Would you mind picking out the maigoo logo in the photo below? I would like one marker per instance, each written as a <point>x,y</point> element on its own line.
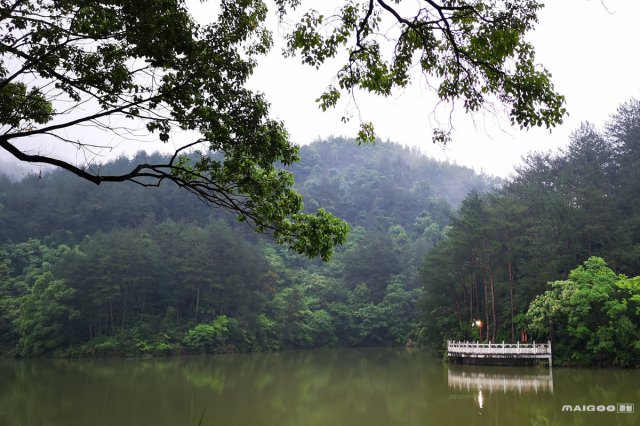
<point>589,408</point>
<point>626,408</point>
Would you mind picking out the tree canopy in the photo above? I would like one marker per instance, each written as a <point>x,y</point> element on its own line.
<point>507,254</point>
<point>147,70</point>
<point>121,270</point>
<point>591,316</point>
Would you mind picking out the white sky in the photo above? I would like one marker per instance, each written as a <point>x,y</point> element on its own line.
<point>591,47</point>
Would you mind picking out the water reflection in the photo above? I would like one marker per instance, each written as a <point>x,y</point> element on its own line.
<point>503,380</point>
<point>338,387</point>
<point>480,399</point>
<point>368,387</point>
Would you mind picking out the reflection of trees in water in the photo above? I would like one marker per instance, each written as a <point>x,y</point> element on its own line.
<point>318,387</point>
<point>97,392</point>
<point>339,387</point>
<point>296,387</point>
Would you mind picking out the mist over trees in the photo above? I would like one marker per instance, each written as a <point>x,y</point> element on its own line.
<point>95,74</point>
<point>121,269</point>
<point>13,170</point>
<point>554,252</point>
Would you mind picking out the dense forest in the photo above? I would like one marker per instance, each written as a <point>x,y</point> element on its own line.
<point>553,252</point>
<point>538,255</point>
<point>120,269</point>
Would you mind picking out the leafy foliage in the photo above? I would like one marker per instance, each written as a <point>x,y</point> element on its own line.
<point>35,303</point>
<point>470,51</point>
<point>146,70</point>
<point>139,273</point>
<point>208,338</point>
<point>557,212</point>
<point>590,316</point>
<point>128,68</point>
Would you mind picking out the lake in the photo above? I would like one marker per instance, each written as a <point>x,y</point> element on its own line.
<point>322,387</point>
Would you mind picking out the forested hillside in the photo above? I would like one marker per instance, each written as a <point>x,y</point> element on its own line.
<point>120,269</point>
<point>528,241</point>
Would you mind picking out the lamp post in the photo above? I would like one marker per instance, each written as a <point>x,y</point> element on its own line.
<point>478,323</point>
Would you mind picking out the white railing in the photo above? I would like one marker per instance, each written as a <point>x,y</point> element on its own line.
<point>475,348</point>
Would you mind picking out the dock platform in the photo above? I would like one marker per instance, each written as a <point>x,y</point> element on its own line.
<point>498,353</point>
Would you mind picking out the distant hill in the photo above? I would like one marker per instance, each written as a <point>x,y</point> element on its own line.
<point>90,270</point>
<point>370,186</point>
<point>386,180</point>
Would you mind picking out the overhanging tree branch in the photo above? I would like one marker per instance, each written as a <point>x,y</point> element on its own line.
<point>150,63</point>
<point>475,51</point>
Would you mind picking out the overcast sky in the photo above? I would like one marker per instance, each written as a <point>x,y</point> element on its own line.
<point>591,48</point>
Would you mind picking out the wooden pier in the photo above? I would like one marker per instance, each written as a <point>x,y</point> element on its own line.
<point>498,353</point>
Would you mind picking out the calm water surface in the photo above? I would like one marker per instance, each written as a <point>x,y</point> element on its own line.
<point>328,387</point>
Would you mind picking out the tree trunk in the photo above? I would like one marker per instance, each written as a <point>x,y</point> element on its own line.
<point>458,310</point>
<point>471,301</point>
<point>197,302</point>
<point>493,305</point>
<point>111,314</point>
<point>478,302</point>
<point>464,296</point>
<point>513,329</point>
<point>486,303</point>
<point>142,304</point>
<point>124,308</point>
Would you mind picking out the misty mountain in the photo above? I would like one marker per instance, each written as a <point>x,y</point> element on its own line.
<point>371,186</point>
<point>119,269</point>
